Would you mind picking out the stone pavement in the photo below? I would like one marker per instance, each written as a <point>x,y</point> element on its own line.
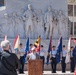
<point>49,73</point>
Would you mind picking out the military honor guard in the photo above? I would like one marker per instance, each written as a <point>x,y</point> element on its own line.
<point>63,57</point>
<point>72,65</point>
<point>42,55</point>
<point>22,52</point>
<point>53,59</point>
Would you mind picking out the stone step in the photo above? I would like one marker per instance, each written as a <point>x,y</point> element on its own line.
<point>48,67</point>
<point>49,73</point>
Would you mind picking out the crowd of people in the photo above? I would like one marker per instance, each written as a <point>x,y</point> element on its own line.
<point>10,64</point>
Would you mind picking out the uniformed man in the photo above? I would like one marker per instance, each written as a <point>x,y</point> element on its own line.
<point>53,59</point>
<point>33,55</point>
<point>22,52</point>
<point>42,55</point>
<point>72,65</point>
<point>63,57</point>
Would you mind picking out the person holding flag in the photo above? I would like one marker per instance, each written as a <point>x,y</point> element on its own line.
<point>53,59</point>
<point>36,48</point>
<point>72,65</point>
<point>63,57</point>
<point>22,53</point>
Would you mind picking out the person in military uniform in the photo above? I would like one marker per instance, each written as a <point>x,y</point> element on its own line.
<point>63,57</point>
<point>53,59</point>
<point>22,58</point>
<point>72,65</point>
<point>42,55</point>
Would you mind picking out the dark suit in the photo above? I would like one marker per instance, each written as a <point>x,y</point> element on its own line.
<point>8,63</point>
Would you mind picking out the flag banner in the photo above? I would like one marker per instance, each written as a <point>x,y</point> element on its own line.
<point>67,60</point>
<point>59,49</point>
<point>74,54</point>
<point>26,49</point>
<point>16,45</point>
<point>37,44</point>
<point>27,46</point>
<point>49,49</point>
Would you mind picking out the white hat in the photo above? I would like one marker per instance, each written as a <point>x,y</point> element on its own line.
<point>33,48</point>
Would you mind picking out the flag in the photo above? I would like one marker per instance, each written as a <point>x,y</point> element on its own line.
<point>16,45</point>
<point>74,54</point>
<point>5,37</point>
<point>27,46</point>
<point>59,49</point>
<point>68,53</point>
<point>50,44</point>
<point>26,49</point>
<point>37,44</point>
<point>49,49</point>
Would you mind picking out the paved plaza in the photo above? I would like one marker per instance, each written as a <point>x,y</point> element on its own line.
<point>49,73</point>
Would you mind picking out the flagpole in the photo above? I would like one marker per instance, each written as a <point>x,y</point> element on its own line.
<point>40,44</point>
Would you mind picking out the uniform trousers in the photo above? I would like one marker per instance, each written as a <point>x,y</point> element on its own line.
<point>63,64</point>
<point>43,61</point>
<point>72,64</point>
<point>53,64</point>
<point>21,70</point>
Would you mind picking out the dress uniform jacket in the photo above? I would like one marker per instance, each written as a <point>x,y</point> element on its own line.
<point>8,63</point>
<point>53,60</point>
<point>22,60</point>
<point>63,64</point>
<point>42,57</point>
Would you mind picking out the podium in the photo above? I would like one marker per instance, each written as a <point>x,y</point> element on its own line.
<point>35,67</point>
